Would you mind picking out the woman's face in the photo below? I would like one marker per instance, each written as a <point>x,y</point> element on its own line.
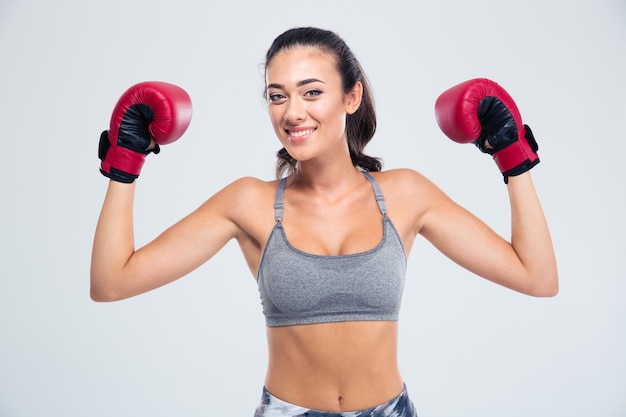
<point>306,102</point>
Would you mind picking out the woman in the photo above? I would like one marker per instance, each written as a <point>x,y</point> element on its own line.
<point>328,240</point>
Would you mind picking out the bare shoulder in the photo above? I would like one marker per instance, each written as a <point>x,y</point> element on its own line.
<point>246,187</point>
<point>409,197</point>
<point>243,196</point>
<point>405,183</point>
<point>248,203</point>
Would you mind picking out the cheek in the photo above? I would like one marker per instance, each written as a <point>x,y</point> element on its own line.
<point>275,117</point>
<point>329,114</point>
<point>336,118</point>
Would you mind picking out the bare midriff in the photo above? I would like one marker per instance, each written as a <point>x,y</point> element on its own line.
<point>345,366</point>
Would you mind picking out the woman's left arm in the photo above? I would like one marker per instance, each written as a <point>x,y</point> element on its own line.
<point>526,264</point>
<point>530,237</point>
<point>482,112</point>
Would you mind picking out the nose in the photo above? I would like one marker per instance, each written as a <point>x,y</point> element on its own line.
<point>295,111</point>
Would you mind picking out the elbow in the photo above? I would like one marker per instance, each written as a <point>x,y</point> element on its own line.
<point>548,287</point>
<point>554,290</point>
<point>102,293</point>
<point>548,292</point>
<point>100,296</point>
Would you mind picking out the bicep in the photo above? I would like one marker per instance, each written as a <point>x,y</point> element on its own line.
<point>180,249</point>
<point>471,243</point>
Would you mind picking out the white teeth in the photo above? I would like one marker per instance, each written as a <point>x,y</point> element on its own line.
<point>300,133</point>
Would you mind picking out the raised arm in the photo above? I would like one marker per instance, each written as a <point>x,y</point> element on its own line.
<point>120,271</point>
<point>146,116</point>
<point>481,112</point>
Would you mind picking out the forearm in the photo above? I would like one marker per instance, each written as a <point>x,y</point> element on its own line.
<point>114,242</point>
<point>530,236</point>
<point>147,115</point>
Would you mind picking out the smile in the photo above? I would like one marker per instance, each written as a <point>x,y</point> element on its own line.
<point>299,134</point>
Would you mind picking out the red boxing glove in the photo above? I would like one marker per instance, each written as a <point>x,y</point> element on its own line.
<point>146,112</point>
<point>482,112</point>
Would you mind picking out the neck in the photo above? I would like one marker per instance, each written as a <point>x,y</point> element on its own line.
<point>335,175</point>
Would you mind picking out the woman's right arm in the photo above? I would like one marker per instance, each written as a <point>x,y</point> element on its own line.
<point>120,271</point>
<point>146,115</point>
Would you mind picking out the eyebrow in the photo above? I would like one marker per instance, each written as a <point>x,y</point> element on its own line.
<point>300,83</point>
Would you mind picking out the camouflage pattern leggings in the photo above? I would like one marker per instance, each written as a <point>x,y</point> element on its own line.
<point>270,406</point>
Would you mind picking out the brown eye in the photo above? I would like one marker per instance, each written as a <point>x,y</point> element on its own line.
<point>313,93</point>
<point>275,97</point>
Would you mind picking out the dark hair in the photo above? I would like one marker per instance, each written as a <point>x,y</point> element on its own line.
<point>361,125</point>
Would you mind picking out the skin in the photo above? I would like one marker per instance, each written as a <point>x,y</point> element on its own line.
<point>329,210</point>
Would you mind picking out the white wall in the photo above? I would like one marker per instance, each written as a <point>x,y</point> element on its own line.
<point>197,346</point>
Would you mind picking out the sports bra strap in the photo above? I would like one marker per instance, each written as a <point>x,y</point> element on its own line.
<point>278,201</point>
<point>379,195</point>
<point>280,191</point>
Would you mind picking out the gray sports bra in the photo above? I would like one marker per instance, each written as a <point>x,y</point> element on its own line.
<point>302,288</point>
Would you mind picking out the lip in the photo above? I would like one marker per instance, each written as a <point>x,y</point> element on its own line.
<point>299,137</point>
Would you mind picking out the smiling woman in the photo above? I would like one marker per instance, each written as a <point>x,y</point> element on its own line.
<point>323,50</point>
<point>307,104</point>
<point>328,239</point>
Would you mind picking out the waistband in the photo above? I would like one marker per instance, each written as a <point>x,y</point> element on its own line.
<point>400,406</point>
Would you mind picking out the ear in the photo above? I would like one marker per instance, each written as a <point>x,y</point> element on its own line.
<point>353,98</point>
